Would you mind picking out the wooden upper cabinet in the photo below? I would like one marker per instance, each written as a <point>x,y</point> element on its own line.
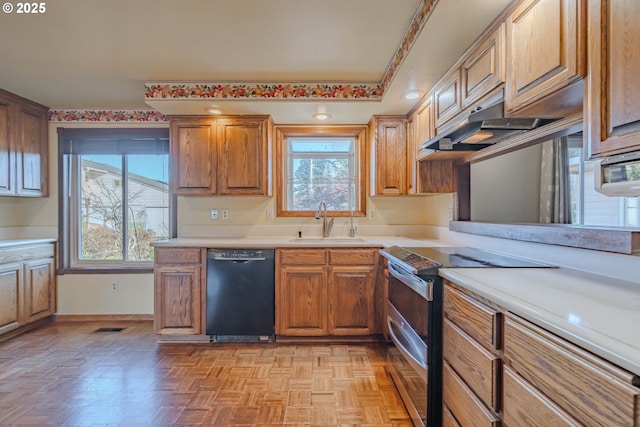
<point>484,68</point>
<point>447,97</point>
<point>226,155</point>
<point>243,156</point>
<point>420,129</point>
<point>24,147</point>
<point>544,49</point>
<point>613,88</point>
<point>388,137</point>
<point>193,156</point>
<point>7,162</point>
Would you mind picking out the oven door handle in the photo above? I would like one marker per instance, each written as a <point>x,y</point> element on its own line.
<point>424,288</point>
<point>419,367</point>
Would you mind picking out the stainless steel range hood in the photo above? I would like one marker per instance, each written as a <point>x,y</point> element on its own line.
<point>480,128</point>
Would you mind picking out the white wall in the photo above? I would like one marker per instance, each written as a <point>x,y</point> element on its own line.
<point>507,188</point>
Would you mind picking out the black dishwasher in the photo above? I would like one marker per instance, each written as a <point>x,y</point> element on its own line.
<point>240,295</point>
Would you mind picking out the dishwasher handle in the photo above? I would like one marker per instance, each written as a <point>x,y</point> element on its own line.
<point>222,258</point>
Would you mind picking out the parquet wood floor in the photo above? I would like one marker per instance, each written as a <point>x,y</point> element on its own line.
<point>65,374</point>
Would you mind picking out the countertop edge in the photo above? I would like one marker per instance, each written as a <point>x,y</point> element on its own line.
<point>25,242</point>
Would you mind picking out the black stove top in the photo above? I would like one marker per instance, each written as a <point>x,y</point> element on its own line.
<point>427,260</point>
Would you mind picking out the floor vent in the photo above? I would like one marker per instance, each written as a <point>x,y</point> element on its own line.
<point>109,330</point>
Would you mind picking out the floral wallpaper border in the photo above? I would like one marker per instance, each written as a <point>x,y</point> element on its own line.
<point>120,116</point>
<point>300,91</point>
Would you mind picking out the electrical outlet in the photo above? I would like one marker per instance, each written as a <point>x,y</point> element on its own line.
<point>225,213</point>
<point>114,287</point>
<point>372,214</point>
<point>450,214</point>
<point>214,214</point>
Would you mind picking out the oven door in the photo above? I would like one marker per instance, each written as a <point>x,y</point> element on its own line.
<point>408,316</point>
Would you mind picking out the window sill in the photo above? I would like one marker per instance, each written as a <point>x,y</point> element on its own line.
<point>105,270</point>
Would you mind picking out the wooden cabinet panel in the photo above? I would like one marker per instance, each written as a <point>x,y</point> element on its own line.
<point>353,256</point>
<point>420,129</point>
<point>463,403</point>
<point>7,162</point>
<point>448,420</point>
<point>178,300</point>
<point>351,300</point>
<point>224,155</point>
<point>388,136</point>
<point>483,69</point>
<point>478,367</point>
<point>32,156</point>
<point>179,256</point>
<point>558,369</point>
<point>193,157</point>
<point>479,321</point>
<point>447,100</point>
<point>298,257</point>
<point>24,147</point>
<point>613,87</point>
<point>437,176</point>
<point>242,165</point>
<point>11,297</point>
<point>301,301</point>
<point>40,292</point>
<point>525,406</point>
<point>544,49</point>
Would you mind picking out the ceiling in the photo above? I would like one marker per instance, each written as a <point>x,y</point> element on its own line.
<point>98,55</point>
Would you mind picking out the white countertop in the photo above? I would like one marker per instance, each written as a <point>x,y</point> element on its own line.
<point>598,313</point>
<point>290,242</point>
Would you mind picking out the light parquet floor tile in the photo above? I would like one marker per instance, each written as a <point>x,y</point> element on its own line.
<point>64,374</point>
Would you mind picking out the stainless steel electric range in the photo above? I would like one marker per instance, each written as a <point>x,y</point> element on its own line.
<point>414,319</point>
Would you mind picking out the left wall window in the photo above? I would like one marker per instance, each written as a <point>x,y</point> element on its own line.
<point>115,197</point>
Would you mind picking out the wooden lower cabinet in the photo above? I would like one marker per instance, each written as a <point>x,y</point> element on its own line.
<point>27,285</point>
<point>325,292</point>
<point>499,367</point>
<point>301,301</point>
<point>180,292</point>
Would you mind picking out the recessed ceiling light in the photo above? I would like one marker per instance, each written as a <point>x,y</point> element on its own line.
<point>321,113</point>
<point>213,110</point>
<point>413,94</point>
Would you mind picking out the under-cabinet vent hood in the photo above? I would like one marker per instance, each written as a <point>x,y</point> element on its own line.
<point>480,128</point>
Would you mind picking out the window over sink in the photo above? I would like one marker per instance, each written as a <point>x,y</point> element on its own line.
<point>320,164</point>
<point>114,197</point>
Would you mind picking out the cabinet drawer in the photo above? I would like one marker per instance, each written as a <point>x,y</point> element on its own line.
<point>302,257</point>
<point>476,319</point>
<point>524,406</point>
<point>26,252</point>
<point>478,367</point>
<point>178,255</point>
<point>448,420</point>
<point>590,389</point>
<point>463,404</point>
<point>352,256</point>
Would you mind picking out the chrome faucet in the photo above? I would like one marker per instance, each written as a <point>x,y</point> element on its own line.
<point>326,226</point>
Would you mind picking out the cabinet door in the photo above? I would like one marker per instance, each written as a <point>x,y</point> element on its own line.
<point>351,300</point>
<point>437,176</point>
<point>40,290</point>
<point>447,100</point>
<point>243,155</point>
<point>301,301</point>
<point>11,297</point>
<point>422,129</point>
<point>32,152</point>
<point>544,49</point>
<point>7,162</point>
<point>483,70</point>
<point>178,300</point>
<point>389,156</point>
<point>613,87</point>
<point>193,157</point>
